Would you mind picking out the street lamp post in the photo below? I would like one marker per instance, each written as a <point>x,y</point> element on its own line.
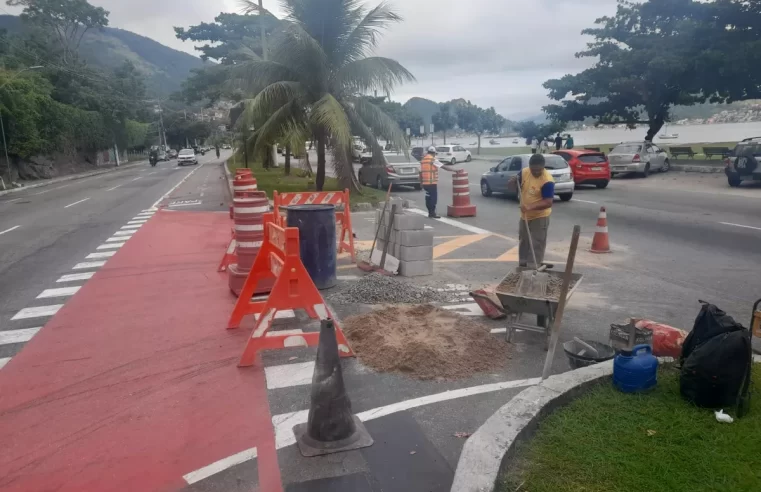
<point>2,125</point>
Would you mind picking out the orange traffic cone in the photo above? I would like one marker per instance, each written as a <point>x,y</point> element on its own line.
<point>600,243</point>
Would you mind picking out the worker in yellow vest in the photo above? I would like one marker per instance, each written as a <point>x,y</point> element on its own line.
<point>429,178</point>
<point>537,190</point>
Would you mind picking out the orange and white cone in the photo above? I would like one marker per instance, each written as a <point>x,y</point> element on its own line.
<point>600,242</point>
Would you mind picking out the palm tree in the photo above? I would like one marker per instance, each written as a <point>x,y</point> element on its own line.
<point>314,82</point>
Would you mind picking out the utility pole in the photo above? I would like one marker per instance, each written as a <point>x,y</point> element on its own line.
<point>264,36</point>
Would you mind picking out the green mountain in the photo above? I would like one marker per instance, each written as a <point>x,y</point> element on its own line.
<point>164,68</point>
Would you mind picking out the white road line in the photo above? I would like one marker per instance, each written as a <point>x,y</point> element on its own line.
<point>133,226</point>
<point>584,201</point>
<point>115,239</point>
<point>59,292</point>
<point>454,223</point>
<point>75,203</point>
<point>53,189</point>
<point>17,336</point>
<point>221,465</point>
<point>102,254</point>
<point>110,246</point>
<point>88,264</point>
<point>9,230</point>
<point>735,225</point>
<point>37,311</point>
<point>11,201</point>
<point>124,233</point>
<point>149,174</point>
<point>284,423</point>
<point>76,277</point>
<point>152,209</point>
<point>288,375</point>
<point>4,361</point>
<point>284,314</point>
<point>136,178</point>
<point>115,187</point>
<point>162,197</point>
<point>137,221</point>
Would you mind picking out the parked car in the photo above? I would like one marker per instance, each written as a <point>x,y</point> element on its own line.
<point>186,156</point>
<point>396,170</point>
<point>226,146</point>
<point>452,154</point>
<point>588,166</point>
<point>495,181</point>
<point>742,163</point>
<point>418,153</point>
<point>356,151</point>
<point>638,157</point>
<point>162,156</point>
<point>172,154</point>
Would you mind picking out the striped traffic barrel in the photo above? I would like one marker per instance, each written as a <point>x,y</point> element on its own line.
<point>461,206</point>
<point>244,186</point>
<point>248,219</point>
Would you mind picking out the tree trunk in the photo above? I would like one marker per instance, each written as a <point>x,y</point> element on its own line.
<point>654,127</point>
<point>445,137</point>
<point>320,179</point>
<point>307,166</point>
<point>478,152</point>
<point>287,169</point>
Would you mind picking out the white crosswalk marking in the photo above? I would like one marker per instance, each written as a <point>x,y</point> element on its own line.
<point>37,311</point>
<point>74,277</point>
<point>59,292</point>
<point>17,336</point>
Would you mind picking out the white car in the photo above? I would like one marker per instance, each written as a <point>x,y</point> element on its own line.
<point>452,154</point>
<point>186,156</point>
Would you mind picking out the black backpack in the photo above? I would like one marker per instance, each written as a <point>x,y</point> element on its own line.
<point>716,362</point>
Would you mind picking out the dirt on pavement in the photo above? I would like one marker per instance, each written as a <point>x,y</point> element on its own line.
<point>424,342</point>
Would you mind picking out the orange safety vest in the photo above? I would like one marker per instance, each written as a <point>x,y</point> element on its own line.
<point>429,173</point>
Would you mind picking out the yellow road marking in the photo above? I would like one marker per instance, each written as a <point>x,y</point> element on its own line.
<point>509,255</point>
<point>457,243</point>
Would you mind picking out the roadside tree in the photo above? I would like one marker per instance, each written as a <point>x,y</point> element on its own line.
<point>444,120</point>
<point>474,119</point>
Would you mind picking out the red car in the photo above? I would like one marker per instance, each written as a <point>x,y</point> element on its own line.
<point>588,166</point>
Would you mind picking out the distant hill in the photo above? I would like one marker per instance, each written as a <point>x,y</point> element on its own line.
<point>165,68</point>
<point>423,107</point>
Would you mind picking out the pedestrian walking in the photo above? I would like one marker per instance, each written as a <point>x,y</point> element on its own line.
<point>429,178</point>
<point>569,142</point>
<point>558,142</point>
<point>534,145</point>
<point>546,145</point>
<point>537,190</point>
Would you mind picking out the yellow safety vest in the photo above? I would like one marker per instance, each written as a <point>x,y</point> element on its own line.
<point>531,192</point>
<point>429,173</point>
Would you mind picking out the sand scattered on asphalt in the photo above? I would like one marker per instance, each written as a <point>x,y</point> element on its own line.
<point>509,285</point>
<point>424,342</point>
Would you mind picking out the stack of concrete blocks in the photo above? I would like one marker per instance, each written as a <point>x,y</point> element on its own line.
<point>409,242</point>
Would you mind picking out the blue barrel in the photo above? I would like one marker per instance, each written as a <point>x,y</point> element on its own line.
<point>635,371</point>
<point>317,241</point>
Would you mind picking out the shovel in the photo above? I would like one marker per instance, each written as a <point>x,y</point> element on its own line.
<point>532,283</point>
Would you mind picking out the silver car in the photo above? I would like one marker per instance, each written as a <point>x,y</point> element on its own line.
<point>638,157</point>
<point>186,156</point>
<point>396,170</point>
<point>495,181</point>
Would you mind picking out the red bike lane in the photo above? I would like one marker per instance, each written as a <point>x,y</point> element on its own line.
<point>134,384</point>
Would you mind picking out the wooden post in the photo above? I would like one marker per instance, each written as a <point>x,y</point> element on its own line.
<point>561,304</point>
<point>388,236</point>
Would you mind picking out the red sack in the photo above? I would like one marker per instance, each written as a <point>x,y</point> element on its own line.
<point>667,340</point>
<point>489,304</point>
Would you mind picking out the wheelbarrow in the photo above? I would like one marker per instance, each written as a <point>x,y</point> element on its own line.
<point>516,306</point>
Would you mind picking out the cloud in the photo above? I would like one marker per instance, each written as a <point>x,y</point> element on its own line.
<point>493,52</point>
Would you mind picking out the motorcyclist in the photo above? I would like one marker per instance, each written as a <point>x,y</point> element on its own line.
<point>217,148</point>
<point>153,156</point>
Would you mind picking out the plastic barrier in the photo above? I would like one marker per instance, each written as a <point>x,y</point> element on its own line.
<point>343,217</point>
<point>461,206</point>
<point>600,241</point>
<point>279,259</point>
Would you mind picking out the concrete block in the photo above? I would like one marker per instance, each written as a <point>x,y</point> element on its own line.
<point>415,253</point>
<point>415,238</point>
<point>399,202</point>
<point>394,249</point>
<point>408,222</point>
<point>415,268</point>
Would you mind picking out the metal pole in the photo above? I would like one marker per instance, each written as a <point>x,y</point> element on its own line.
<point>264,36</point>
<point>5,147</point>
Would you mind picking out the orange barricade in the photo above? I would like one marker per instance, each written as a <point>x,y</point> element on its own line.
<point>279,260</point>
<point>343,217</point>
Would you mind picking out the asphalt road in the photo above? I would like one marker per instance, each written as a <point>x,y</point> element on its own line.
<point>676,238</point>
<point>46,231</point>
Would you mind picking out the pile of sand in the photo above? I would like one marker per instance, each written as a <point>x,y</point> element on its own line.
<point>424,342</point>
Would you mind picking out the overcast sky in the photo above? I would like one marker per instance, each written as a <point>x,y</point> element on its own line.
<point>493,52</point>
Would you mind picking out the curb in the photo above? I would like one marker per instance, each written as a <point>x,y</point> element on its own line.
<point>708,168</point>
<point>229,178</point>
<point>71,177</point>
<point>493,445</point>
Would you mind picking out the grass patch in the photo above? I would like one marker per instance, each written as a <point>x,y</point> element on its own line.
<point>600,442</point>
<point>697,148</point>
<point>269,180</point>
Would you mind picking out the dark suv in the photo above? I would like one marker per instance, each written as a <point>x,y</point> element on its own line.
<point>743,163</point>
<point>418,153</point>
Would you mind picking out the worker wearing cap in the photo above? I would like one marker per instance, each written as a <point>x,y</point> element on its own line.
<point>429,178</point>
<point>537,190</point>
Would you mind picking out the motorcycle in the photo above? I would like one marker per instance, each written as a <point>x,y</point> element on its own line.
<point>153,160</point>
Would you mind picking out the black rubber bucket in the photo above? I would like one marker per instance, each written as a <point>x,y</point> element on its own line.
<point>580,356</point>
<point>317,241</point>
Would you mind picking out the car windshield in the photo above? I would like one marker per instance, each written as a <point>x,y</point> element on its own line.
<point>186,152</point>
<point>742,148</point>
<point>627,149</point>
<point>553,162</point>
<point>592,158</point>
<point>443,149</point>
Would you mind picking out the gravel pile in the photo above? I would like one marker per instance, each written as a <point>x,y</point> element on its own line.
<point>381,289</point>
<point>510,283</point>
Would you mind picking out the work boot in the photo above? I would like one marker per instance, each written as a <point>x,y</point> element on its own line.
<point>434,216</point>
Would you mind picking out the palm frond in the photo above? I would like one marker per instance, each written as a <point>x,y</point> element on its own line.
<point>364,37</point>
<point>329,114</point>
<point>288,118</point>
<point>379,122</point>
<point>328,21</point>
<point>373,73</point>
<point>303,55</point>
<point>253,74</point>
